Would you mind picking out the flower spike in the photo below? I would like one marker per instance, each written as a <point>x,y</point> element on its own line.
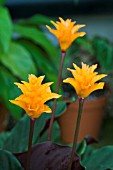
<point>66,32</point>
<point>85,79</point>
<point>34,96</point>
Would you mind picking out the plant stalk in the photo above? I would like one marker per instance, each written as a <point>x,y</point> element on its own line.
<point>55,101</point>
<point>81,101</point>
<point>32,123</point>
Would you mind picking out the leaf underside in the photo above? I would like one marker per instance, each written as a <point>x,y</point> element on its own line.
<point>50,156</point>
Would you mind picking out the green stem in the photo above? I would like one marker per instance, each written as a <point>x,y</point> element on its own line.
<point>55,101</point>
<point>32,122</point>
<point>81,101</point>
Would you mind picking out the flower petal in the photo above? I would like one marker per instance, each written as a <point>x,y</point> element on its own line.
<point>66,32</point>
<point>85,79</point>
<point>98,77</point>
<point>34,96</point>
<point>47,109</point>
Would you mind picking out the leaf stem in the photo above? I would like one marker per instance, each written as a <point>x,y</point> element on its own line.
<point>32,123</point>
<point>81,101</point>
<point>55,101</point>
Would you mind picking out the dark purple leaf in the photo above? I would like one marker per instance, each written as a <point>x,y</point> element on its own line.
<point>50,156</point>
<point>90,140</point>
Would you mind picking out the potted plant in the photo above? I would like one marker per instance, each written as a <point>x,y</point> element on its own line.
<point>95,50</point>
<point>14,152</point>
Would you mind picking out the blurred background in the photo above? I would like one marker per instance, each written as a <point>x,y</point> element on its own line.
<point>96,14</point>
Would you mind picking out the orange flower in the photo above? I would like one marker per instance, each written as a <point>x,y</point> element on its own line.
<point>66,32</point>
<point>34,96</point>
<point>85,79</point>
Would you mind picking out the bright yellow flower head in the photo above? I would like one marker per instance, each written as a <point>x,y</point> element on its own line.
<point>66,32</point>
<point>34,96</point>
<point>85,79</point>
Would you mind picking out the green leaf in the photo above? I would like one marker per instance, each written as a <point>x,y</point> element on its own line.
<point>8,161</point>
<point>55,137</point>
<point>2,2</point>
<point>100,159</point>
<point>109,58</point>
<point>60,108</point>
<point>104,53</point>
<point>84,42</point>
<point>3,137</point>
<point>44,65</point>
<point>17,140</point>
<point>5,29</point>
<point>18,61</point>
<point>81,147</point>
<point>36,20</point>
<point>9,91</point>
<point>38,37</point>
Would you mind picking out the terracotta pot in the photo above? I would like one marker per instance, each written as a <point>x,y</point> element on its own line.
<point>91,120</point>
<point>3,118</point>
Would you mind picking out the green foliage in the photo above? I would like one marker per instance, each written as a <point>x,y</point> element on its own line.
<point>95,50</point>
<point>30,51</point>
<point>35,20</point>
<point>95,159</point>
<point>86,43</point>
<point>104,53</point>
<point>101,159</point>
<point>38,37</point>
<point>2,2</point>
<point>44,65</point>
<point>5,30</point>
<point>16,59</point>
<point>9,91</point>
<point>81,148</point>
<point>17,139</point>
<point>55,134</point>
<point>24,49</point>
<point>8,161</point>
<point>3,137</point>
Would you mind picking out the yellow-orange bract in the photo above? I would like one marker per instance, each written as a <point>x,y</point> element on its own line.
<point>34,96</point>
<point>85,79</point>
<point>66,32</point>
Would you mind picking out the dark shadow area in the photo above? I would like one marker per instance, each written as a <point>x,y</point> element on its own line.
<point>24,9</point>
